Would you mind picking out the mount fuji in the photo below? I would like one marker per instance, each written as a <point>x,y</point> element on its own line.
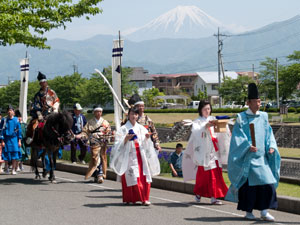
<point>180,22</point>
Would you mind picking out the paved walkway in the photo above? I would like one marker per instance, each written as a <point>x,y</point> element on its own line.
<point>73,201</point>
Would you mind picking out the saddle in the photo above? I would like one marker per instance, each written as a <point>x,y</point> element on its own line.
<point>33,126</point>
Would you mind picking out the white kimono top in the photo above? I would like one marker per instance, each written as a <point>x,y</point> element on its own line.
<point>123,159</point>
<point>200,149</point>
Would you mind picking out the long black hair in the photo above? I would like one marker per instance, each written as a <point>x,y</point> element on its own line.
<point>202,104</point>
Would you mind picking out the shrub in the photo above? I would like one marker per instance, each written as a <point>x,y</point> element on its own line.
<point>291,109</point>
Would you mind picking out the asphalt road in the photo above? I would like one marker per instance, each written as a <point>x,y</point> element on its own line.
<point>25,201</point>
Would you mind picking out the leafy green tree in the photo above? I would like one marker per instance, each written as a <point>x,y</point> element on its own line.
<point>149,97</point>
<point>294,57</point>
<point>10,94</point>
<point>267,78</point>
<point>289,80</point>
<point>200,96</point>
<point>235,90</point>
<point>288,77</point>
<point>26,22</point>
<point>69,88</point>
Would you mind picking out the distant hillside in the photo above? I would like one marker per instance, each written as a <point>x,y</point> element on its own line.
<point>157,56</point>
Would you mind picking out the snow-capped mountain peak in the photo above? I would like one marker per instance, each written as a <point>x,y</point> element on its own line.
<point>177,16</point>
<point>180,22</point>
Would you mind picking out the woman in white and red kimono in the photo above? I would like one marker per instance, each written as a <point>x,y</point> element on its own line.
<point>133,157</point>
<point>204,155</point>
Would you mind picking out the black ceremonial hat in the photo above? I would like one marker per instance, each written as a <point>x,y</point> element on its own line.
<point>18,113</point>
<point>252,91</point>
<point>134,99</point>
<point>41,77</point>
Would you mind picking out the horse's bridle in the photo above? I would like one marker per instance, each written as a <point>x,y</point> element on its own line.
<point>61,137</point>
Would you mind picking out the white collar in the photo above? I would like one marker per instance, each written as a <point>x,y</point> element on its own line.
<point>249,112</point>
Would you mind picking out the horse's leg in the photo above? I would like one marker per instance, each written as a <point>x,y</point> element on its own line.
<point>33,162</point>
<point>51,155</point>
<point>44,163</point>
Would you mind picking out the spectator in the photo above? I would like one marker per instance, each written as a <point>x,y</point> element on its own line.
<point>175,161</point>
<point>79,122</point>
<point>10,139</point>
<point>24,151</point>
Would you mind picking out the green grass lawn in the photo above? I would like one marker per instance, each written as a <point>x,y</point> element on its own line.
<point>168,119</point>
<point>284,152</point>
<point>285,189</point>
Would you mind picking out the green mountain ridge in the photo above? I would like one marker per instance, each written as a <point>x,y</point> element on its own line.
<point>158,56</point>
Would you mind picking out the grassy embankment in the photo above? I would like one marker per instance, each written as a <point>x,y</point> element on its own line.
<point>168,119</point>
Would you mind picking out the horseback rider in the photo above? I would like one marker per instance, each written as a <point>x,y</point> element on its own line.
<point>97,130</point>
<point>45,102</point>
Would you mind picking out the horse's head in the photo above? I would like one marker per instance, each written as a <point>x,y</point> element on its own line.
<point>58,127</point>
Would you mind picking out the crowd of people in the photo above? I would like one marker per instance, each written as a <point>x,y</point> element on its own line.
<point>251,153</point>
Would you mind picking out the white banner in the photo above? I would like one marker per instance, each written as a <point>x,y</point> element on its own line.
<point>24,64</point>
<point>116,78</point>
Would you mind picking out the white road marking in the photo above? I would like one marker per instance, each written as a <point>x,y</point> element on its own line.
<point>165,199</point>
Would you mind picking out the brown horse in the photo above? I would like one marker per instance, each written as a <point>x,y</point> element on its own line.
<point>55,132</point>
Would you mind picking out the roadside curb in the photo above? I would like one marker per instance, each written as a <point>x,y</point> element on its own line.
<point>285,203</point>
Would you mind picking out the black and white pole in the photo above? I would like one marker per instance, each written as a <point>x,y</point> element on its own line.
<point>117,53</point>
<point>24,66</point>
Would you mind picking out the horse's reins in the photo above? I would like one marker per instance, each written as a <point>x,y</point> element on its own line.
<point>60,137</point>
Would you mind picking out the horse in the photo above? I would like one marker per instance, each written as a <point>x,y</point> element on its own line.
<point>50,136</point>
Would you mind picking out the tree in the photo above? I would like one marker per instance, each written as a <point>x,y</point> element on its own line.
<point>69,88</point>
<point>26,22</point>
<point>235,90</point>
<point>200,96</point>
<point>288,77</point>
<point>149,95</point>
<point>289,80</point>
<point>10,94</point>
<point>294,57</point>
<point>267,78</point>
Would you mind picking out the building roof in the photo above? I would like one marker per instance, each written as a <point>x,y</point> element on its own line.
<point>139,74</point>
<point>248,73</point>
<point>166,97</point>
<point>174,75</point>
<point>212,76</point>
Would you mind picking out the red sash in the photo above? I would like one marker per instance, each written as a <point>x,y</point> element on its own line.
<point>214,141</point>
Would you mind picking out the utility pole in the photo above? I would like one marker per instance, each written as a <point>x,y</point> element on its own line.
<point>277,87</point>
<point>9,79</point>
<point>253,73</point>
<point>220,47</point>
<point>75,68</point>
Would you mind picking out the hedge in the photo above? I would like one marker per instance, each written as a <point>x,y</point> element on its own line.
<point>216,110</point>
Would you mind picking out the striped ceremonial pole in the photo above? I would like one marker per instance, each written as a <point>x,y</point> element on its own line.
<point>116,79</point>
<point>24,64</point>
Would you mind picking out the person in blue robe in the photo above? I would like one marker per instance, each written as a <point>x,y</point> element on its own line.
<point>253,168</point>
<point>10,137</point>
<point>24,152</point>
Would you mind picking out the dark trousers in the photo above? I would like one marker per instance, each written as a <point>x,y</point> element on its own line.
<point>258,197</point>
<point>83,149</point>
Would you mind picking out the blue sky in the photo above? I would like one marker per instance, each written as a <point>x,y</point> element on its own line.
<point>125,14</point>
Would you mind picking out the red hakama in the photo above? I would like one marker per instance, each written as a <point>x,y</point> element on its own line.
<point>210,183</point>
<point>141,191</point>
